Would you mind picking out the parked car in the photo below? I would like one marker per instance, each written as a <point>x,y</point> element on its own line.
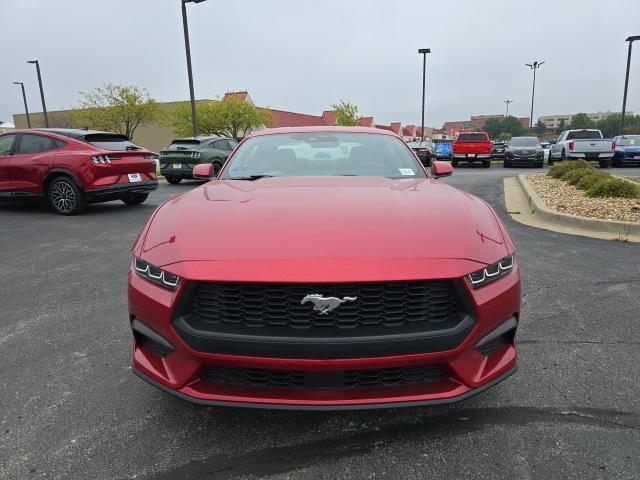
<point>472,147</point>
<point>524,151</point>
<point>626,150</point>
<point>498,149</point>
<point>179,158</point>
<point>71,168</point>
<point>587,144</point>
<point>423,150</point>
<point>443,149</point>
<point>329,284</point>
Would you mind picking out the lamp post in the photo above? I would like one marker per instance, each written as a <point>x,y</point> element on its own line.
<point>533,66</point>
<point>626,82</point>
<point>187,48</point>
<point>44,105</point>
<point>507,102</point>
<point>423,52</point>
<point>24,98</point>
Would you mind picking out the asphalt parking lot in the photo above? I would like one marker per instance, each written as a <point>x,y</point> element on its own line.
<point>70,408</point>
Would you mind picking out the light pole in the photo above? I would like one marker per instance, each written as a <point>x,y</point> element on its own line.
<point>44,105</point>
<point>626,82</point>
<point>423,52</point>
<point>187,48</point>
<point>507,102</point>
<point>24,98</point>
<point>533,66</point>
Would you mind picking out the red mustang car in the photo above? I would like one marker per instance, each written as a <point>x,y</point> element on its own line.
<point>324,268</point>
<point>73,167</point>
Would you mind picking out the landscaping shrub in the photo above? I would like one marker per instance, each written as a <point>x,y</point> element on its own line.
<point>589,180</point>
<point>558,169</point>
<point>614,187</point>
<point>573,176</point>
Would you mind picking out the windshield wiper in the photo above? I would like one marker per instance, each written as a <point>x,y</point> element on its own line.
<point>250,178</point>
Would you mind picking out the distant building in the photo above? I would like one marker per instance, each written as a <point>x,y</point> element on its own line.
<point>552,122</point>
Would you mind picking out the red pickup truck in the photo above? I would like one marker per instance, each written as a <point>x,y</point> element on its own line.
<point>472,147</point>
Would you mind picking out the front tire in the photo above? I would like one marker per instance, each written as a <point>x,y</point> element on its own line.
<point>65,197</point>
<point>135,198</point>
<point>173,180</point>
<point>604,163</point>
<point>486,164</point>
<point>454,163</point>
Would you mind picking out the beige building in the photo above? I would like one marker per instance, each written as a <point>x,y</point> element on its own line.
<point>553,121</point>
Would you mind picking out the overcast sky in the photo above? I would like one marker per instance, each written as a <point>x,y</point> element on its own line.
<point>303,56</point>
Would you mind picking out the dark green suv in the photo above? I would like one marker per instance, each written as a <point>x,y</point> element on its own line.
<point>179,158</point>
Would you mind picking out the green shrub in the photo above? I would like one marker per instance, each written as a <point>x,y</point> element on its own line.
<point>588,181</point>
<point>573,176</point>
<point>614,187</point>
<point>558,169</point>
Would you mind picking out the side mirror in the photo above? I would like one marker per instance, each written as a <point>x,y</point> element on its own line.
<point>552,142</point>
<point>441,169</point>
<point>203,171</point>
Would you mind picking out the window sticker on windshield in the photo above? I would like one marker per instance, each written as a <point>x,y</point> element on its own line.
<point>406,171</point>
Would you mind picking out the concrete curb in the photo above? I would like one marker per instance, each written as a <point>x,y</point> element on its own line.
<point>539,209</point>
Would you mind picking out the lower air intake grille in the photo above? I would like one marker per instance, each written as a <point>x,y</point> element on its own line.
<point>384,377</point>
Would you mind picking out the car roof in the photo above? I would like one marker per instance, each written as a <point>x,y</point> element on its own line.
<point>77,133</point>
<point>199,138</point>
<point>328,129</point>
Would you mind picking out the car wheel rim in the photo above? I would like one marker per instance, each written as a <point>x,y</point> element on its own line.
<point>63,197</point>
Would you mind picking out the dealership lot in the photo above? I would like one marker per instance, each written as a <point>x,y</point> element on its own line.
<point>71,408</point>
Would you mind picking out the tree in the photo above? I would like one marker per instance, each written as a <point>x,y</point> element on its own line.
<point>580,120</point>
<point>346,114</point>
<point>504,136</point>
<point>115,108</point>
<point>231,117</point>
<point>509,125</point>
<point>493,126</point>
<point>561,126</point>
<point>540,127</point>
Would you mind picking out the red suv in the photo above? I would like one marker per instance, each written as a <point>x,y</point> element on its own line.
<point>71,168</point>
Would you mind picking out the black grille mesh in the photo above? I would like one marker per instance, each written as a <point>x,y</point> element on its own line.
<point>384,377</point>
<point>430,304</point>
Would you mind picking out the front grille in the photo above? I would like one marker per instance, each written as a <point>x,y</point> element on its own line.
<point>250,307</point>
<point>384,377</point>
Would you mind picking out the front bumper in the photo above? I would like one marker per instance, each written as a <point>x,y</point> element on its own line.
<point>627,157</point>
<point>467,368</point>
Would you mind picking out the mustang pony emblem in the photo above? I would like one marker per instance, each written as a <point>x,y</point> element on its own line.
<point>325,304</point>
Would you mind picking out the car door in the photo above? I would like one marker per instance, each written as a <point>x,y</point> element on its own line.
<point>32,157</point>
<point>6,149</point>
<point>555,148</point>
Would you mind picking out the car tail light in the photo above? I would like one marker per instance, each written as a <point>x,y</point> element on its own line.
<point>613,145</point>
<point>571,144</point>
<point>103,159</point>
<point>195,154</point>
<point>149,156</point>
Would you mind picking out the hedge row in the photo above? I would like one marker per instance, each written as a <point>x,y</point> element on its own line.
<point>593,181</point>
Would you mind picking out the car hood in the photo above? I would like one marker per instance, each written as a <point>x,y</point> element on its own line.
<point>320,218</point>
<point>525,148</point>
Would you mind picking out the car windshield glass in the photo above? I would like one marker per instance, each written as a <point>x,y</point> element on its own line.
<point>633,141</point>
<point>472,137</point>
<point>322,154</point>
<point>584,134</point>
<point>183,145</point>
<point>524,142</point>
<point>107,141</point>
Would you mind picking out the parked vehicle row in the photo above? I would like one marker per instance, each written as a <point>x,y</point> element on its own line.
<point>73,167</point>
<point>423,150</point>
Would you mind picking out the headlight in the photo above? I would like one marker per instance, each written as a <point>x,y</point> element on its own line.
<point>155,275</point>
<point>492,272</point>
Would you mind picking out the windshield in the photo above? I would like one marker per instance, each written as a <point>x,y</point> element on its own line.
<point>322,154</point>
<point>473,137</point>
<point>584,134</point>
<point>524,142</point>
<point>107,141</point>
<point>183,145</point>
<point>628,141</point>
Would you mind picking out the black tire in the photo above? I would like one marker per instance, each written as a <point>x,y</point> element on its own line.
<point>506,164</point>
<point>135,198</point>
<point>65,197</point>
<point>454,163</point>
<point>615,163</point>
<point>604,163</point>
<point>563,156</point>
<point>486,164</point>
<point>173,180</point>
<point>550,161</point>
<point>539,164</point>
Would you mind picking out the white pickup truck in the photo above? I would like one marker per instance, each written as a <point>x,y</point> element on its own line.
<point>587,144</point>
